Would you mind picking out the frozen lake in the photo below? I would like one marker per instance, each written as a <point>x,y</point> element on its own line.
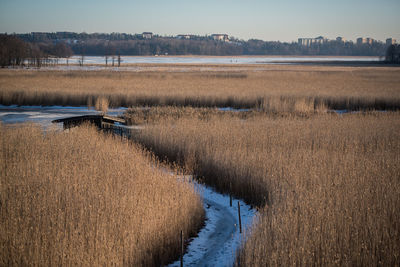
<point>45,114</point>
<point>210,59</point>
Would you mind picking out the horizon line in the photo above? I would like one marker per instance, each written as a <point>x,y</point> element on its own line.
<point>204,35</point>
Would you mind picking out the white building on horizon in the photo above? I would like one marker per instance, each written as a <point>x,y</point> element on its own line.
<point>184,36</point>
<point>147,35</point>
<point>220,37</point>
<point>310,41</point>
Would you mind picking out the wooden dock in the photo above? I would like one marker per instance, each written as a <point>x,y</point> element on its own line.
<point>102,122</point>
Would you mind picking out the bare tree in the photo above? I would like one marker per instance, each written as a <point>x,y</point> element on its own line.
<point>61,50</point>
<point>36,55</point>
<point>82,55</point>
<point>13,51</point>
<point>107,52</point>
<point>111,51</point>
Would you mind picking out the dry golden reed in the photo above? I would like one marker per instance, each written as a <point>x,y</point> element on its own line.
<point>262,86</point>
<point>327,185</point>
<point>101,104</point>
<point>81,198</point>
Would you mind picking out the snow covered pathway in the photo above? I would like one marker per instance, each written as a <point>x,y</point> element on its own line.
<point>219,239</point>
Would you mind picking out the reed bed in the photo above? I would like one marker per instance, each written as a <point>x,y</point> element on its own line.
<point>82,198</point>
<point>265,87</point>
<point>327,186</point>
<point>278,107</point>
<point>154,115</point>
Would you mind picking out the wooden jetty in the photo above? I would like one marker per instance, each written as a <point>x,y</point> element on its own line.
<point>102,122</point>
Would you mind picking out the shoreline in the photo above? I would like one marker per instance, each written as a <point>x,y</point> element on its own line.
<point>353,63</point>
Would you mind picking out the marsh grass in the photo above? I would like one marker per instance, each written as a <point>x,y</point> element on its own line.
<point>293,105</point>
<point>154,115</point>
<point>327,186</point>
<point>81,198</point>
<point>102,104</point>
<point>274,107</point>
<point>261,86</point>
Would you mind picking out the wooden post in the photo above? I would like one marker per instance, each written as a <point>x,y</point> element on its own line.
<point>240,220</point>
<point>230,194</point>
<point>182,248</point>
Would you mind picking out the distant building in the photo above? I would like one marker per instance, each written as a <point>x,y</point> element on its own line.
<point>363,40</point>
<point>306,41</point>
<point>220,37</point>
<point>390,41</point>
<point>321,40</point>
<point>310,41</point>
<point>184,36</point>
<point>147,35</point>
<point>340,39</point>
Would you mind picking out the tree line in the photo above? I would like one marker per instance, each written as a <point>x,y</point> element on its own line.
<point>16,52</point>
<point>174,46</point>
<point>37,49</point>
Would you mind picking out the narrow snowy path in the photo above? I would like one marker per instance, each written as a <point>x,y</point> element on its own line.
<point>218,240</point>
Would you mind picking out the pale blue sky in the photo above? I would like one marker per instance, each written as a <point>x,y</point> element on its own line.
<point>284,20</point>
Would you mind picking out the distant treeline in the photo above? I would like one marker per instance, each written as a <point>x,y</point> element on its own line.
<point>135,44</point>
<point>37,49</point>
<point>172,46</point>
<point>393,54</point>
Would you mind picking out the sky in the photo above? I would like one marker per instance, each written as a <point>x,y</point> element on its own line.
<point>269,20</point>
